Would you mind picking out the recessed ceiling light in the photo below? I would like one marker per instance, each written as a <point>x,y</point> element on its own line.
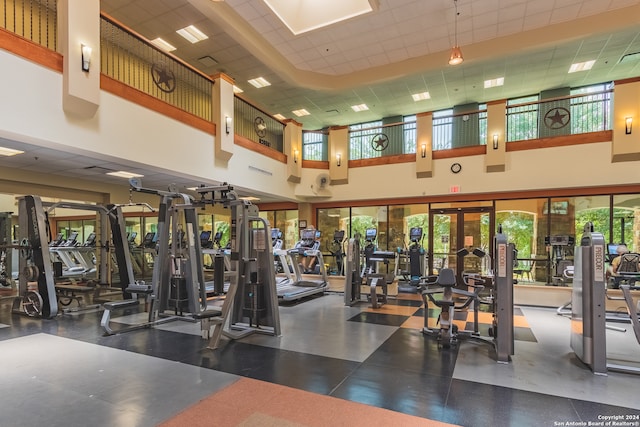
<point>581,66</point>
<point>301,112</point>
<point>249,198</point>
<point>361,107</point>
<point>4,151</point>
<point>494,82</point>
<point>192,34</point>
<point>236,89</point>
<point>279,116</point>
<point>124,174</point>
<point>318,14</point>
<point>163,45</point>
<point>259,82</point>
<point>421,96</point>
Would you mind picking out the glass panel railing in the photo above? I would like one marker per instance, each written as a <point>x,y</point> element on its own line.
<point>256,125</point>
<point>131,60</point>
<point>35,20</point>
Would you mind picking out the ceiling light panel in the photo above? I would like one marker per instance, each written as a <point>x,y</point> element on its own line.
<point>301,112</point>
<point>360,107</point>
<point>124,174</point>
<point>301,16</point>
<point>163,45</point>
<point>259,82</point>
<point>192,34</point>
<point>421,96</point>
<point>494,82</point>
<point>581,66</point>
<point>279,116</point>
<point>9,151</point>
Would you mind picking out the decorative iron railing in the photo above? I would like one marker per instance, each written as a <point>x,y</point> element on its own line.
<point>132,60</point>
<point>569,115</point>
<point>254,124</point>
<point>372,140</point>
<point>459,130</point>
<point>35,20</point>
<point>315,145</point>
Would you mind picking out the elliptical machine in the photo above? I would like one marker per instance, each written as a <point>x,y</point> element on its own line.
<point>414,259</point>
<point>336,249</point>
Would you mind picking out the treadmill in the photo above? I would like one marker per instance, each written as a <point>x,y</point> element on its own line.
<point>300,287</point>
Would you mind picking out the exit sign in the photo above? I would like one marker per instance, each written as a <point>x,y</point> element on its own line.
<point>454,189</point>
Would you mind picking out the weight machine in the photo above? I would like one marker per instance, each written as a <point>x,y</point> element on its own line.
<point>38,294</point>
<point>6,251</point>
<point>452,300</point>
<point>588,308</point>
<point>560,259</point>
<point>178,285</point>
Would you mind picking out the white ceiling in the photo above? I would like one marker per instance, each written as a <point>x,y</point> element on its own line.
<point>383,57</point>
<point>380,59</point>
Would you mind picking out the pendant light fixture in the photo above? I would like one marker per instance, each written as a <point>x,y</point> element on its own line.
<point>456,53</point>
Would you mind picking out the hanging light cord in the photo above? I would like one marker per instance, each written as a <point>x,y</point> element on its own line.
<point>455,23</point>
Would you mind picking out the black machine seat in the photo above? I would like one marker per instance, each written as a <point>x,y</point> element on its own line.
<point>446,277</point>
<point>628,270</point>
<point>629,264</point>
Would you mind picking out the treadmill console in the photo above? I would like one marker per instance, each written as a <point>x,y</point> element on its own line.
<point>415,234</point>
<point>371,234</point>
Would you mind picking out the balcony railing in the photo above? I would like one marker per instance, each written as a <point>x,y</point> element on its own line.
<point>254,124</point>
<point>35,20</point>
<point>315,145</point>
<point>459,130</point>
<point>570,115</point>
<point>131,60</point>
<point>372,140</point>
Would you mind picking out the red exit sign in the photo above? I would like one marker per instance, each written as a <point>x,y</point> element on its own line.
<point>454,189</point>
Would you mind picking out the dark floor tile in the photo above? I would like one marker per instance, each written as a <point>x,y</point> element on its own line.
<point>405,302</point>
<point>309,372</point>
<point>379,318</point>
<point>398,390</point>
<point>473,404</point>
<point>595,412</point>
<point>408,349</point>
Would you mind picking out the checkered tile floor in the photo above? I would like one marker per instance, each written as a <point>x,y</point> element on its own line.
<point>407,311</point>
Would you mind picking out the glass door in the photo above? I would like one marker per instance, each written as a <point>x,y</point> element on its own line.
<point>461,240</point>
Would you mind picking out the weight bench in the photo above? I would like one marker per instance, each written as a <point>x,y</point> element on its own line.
<point>207,319</point>
<point>68,293</point>
<point>111,306</point>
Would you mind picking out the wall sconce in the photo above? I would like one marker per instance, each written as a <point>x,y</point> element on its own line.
<point>338,159</point>
<point>423,151</point>
<point>86,57</point>
<point>495,141</point>
<point>227,123</point>
<point>628,123</point>
<point>295,156</point>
